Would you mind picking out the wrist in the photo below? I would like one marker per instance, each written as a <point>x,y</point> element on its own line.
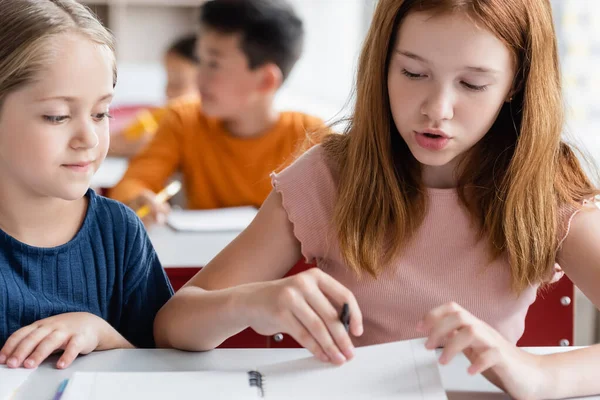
<point>109,338</point>
<point>239,307</point>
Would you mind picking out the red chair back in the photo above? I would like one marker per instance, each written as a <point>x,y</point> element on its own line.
<point>551,318</point>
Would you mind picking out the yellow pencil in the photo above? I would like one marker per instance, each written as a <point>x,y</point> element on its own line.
<point>162,196</point>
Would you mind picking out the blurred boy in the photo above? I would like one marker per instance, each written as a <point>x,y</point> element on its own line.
<point>227,148</point>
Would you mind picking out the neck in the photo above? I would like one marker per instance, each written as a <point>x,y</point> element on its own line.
<point>254,122</point>
<point>40,221</point>
<point>440,177</point>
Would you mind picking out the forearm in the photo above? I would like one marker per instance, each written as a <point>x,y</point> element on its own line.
<point>572,374</point>
<point>196,319</point>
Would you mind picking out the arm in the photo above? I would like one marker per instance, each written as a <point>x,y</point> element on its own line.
<point>265,251</point>
<point>575,373</point>
<point>521,374</point>
<point>237,289</point>
<point>150,170</point>
<point>146,288</point>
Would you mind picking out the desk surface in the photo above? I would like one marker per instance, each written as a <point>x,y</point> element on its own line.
<point>44,381</point>
<point>187,249</point>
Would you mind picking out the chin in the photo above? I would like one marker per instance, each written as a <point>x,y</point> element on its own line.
<point>71,193</point>
<point>432,159</point>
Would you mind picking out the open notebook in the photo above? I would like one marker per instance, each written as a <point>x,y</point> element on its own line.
<point>223,219</point>
<point>11,380</point>
<point>399,370</point>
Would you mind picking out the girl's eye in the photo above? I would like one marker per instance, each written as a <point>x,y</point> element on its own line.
<point>56,119</point>
<point>412,75</point>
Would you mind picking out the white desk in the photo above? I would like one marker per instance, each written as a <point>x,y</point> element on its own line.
<point>44,381</point>
<point>110,173</point>
<point>187,249</point>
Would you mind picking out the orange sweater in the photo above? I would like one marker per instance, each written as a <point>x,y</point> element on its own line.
<point>219,170</point>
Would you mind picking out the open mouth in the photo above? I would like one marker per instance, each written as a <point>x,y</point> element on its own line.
<point>432,136</point>
<point>432,141</point>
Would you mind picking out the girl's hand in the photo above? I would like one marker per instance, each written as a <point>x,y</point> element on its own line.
<point>511,369</point>
<point>306,306</point>
<point>75,333</point>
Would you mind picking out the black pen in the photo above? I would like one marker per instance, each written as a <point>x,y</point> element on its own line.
<point>345,317</point>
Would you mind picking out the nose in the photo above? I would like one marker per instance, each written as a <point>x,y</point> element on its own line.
<point>439,104</point>
<point>85,136</point>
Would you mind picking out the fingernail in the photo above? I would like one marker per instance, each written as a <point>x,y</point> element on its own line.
<point>61,364</point>
<point>349,353</point>
<point>29,363</point>
<point>161,219</point>
<point>2,358</point>
<point>339,358</point>
<point>12,362</point>
<point>358,331</point>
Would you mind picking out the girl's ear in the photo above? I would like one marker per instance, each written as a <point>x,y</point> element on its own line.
<point>515,88</point>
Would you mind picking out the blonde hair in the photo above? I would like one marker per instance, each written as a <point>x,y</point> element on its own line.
<point>27,26</point>
<point>513,181</point>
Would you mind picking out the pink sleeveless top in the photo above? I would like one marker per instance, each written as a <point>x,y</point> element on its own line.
<point>444,261</point>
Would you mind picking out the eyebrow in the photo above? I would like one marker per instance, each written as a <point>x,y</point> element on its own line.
<point>69,99</point>
<point>214,52</point>
<point>414,56</point>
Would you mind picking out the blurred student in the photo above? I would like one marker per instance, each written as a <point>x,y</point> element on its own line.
<point>226,148</point>
<point>181,67</point>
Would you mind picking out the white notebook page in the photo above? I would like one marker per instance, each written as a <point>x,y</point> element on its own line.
<point>223,219</point>
<point>11,379</point>
<point>159,386</point>
<point>399,370</point>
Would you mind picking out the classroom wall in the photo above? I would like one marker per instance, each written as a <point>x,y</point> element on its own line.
<point>578,27</point>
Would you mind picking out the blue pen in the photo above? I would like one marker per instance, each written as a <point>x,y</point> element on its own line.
<point>61,389</point>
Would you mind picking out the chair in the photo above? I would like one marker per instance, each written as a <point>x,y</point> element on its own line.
<point>551,318</point>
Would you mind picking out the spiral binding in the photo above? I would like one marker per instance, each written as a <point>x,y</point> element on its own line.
<point>256,380</point>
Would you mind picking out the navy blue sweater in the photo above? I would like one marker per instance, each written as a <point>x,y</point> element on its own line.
<point>108,269</point>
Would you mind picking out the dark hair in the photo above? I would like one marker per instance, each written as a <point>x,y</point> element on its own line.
<point>185,47</point>
<point>270,29</point>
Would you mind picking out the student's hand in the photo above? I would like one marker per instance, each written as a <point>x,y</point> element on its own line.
<point>517,372</point>
<point>158,210</point>
<point>306,306</point>
<point>75,333</point>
